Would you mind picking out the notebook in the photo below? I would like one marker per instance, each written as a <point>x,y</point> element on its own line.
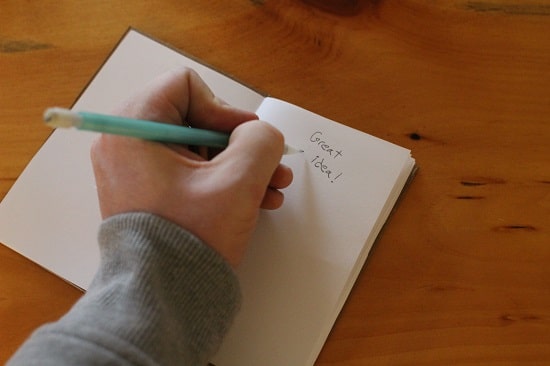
<point>303,258</point>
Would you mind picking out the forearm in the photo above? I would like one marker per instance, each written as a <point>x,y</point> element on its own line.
<point>160,297</point>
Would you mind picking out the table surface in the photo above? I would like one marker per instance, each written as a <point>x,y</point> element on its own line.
<point>461,273</point>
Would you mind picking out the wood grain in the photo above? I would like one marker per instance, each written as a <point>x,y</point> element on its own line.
<point>460,274</point>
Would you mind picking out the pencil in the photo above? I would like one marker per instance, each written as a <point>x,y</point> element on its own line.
<point>147,130</point>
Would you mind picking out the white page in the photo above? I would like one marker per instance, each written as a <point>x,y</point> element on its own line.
<point>305,257</point>
<point>51,214</point>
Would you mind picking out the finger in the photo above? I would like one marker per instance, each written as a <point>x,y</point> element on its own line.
<point>180,96</point>
<point>207,111</point>
<point>282,177</point>
<point>153,103</point>
<point>183,91</point>
<point>253,155</point>
<point>273,199</point>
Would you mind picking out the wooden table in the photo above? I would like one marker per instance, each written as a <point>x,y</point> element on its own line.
<point>461,274</point>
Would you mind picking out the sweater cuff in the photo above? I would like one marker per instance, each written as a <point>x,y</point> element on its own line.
<point>185,295</point>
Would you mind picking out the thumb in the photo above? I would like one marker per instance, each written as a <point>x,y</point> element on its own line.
<point>254,152</point>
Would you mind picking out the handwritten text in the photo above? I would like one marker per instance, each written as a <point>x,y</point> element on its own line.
<point>318,139</point>
<point>323,161</point>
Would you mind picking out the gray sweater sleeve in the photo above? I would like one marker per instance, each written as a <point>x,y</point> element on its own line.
<point>160,297</point>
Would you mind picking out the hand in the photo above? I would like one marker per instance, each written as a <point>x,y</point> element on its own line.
<point>217,200</point>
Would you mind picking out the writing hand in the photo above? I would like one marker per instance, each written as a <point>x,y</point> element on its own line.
<point>218,200</point>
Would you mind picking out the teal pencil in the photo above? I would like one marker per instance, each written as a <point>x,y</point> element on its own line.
<point>147,130</point>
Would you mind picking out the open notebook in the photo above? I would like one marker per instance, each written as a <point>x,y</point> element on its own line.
<point>304,257</point>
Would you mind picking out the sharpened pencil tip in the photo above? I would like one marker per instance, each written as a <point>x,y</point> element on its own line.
<point>291,150</point>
